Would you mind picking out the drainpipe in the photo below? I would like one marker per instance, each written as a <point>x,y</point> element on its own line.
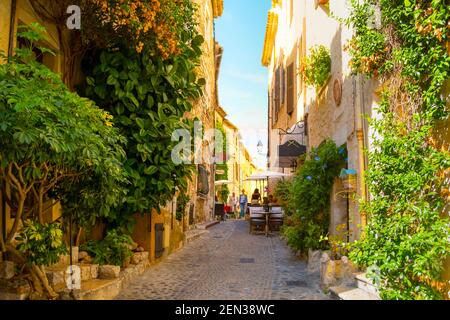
<point>360,133</point>
<point>12,23</point>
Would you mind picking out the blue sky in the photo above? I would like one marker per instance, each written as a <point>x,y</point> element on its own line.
<point>243,80</point>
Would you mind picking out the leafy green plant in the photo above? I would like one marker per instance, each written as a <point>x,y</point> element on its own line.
<point>310,195</point>
<point>182,201</point>
<point>406,238</point>
<point>52,142</point>
<point>113,249</point>
<point>54,147</point>
<point>148,97</point>
<point>339,245</point>
<point>41,244</point>
<point>221,150</point>
<point>316,68</point>
<point>283,193</point>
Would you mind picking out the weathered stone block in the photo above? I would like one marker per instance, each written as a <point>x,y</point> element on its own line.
<point>314,260</point>
<point>65,259</point>
<point>85,270</point>
<point>108,272</point>
<point>87,259</point>
<point>94,271</point>
<point>336,272</point>
<point>6,270</point>
<point>133,246</point>
<point>18,289</point>
<point>82,255</point>
<point>55,277</point>
<point>138,257</point>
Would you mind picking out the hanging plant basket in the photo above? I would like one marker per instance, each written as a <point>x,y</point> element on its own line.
<point>349,182</point>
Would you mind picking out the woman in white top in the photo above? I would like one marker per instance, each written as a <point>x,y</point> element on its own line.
<point>232,202</point>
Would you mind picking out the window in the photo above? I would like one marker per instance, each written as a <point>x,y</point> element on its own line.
<point>283,84</point>
<point>306,124</point>
<point>290,89</point>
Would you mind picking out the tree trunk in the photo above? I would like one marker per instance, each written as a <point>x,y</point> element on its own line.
<point>77,240</point>
<point>39,270</point>
<point>18,217</point>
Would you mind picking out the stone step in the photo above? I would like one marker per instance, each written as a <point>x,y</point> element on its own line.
<point>363,283</point>
<point>206,225</point>
<point>192,235</point>
<point>95,289</point>
<point>105,289</point>
<point>351,293</point>
<point>14,289</point>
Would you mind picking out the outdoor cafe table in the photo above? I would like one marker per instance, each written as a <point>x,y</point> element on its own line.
<point>267,214</point>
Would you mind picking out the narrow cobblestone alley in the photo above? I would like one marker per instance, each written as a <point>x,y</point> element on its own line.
<point>228,263</point>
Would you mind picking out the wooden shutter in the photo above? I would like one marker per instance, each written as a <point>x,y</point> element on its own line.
<point>306,124</point>
<point>159,240</point>
<point>191,214</point>
<point>283,85</point>
<point>290,88</point>
<point>277,94</point>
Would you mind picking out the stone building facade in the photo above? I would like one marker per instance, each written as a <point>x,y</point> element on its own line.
<point>201,193</point>
<point>239,162</point>
<point>21,12</point>
<point>312,115</point>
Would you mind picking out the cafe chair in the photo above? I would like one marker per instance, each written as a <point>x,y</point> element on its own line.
<point>275,220</point>
<point>257,218</point>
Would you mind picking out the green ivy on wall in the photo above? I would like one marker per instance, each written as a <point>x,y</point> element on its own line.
<point>222,149</point>
<point>406,239</point>
<point>316,68</point>
<point>310,193</point>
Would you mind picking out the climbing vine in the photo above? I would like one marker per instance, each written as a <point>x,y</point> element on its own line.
<point>310,194</point>
<point>316,67</point>
<point>221,150</point>
<point>406,238</point>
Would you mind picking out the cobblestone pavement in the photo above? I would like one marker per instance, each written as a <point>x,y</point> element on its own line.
<point>228,263</point>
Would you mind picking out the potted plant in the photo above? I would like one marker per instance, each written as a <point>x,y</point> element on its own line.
<point>335,267</point>
<point>316,67</point>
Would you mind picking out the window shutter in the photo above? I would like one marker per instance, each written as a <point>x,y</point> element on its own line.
<point>283,84</point>
<point>277,93</point>
<point>290,88</point>
<point>306,124</point>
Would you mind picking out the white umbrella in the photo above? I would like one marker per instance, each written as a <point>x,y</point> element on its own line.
<point>266,175</point>
<point>221,182</point>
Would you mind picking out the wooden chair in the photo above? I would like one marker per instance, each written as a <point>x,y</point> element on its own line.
<point>257,218</point>
<point>276,218</point>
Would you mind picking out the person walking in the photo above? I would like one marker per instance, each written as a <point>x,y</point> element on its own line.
<point>243,200</point>
<point>232,202</point>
